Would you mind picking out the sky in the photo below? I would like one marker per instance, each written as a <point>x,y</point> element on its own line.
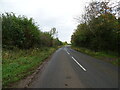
<point>47,14</point>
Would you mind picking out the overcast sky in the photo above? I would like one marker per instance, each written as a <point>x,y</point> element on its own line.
<point>49,13</point>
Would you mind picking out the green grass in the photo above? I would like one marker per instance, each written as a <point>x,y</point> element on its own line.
<point>17,64</point>
<point>106,56</point>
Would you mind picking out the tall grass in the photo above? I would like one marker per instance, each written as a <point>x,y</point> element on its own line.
<point>17,63</point>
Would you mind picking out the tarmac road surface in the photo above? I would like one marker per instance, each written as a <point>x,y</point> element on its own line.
<point>71,69</point>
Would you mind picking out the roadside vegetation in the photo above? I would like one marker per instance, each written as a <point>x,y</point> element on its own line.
<point>17,64</point>
<point>98,32</point>
<point>24,47</point>
<point>110,57</point>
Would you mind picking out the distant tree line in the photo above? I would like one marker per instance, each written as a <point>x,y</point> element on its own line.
<point>23,33</point>
<point>99,28</point>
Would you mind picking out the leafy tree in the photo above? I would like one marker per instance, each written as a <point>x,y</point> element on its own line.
<point>22,32</point>
<point>99,29</point>
<point>53,32</point>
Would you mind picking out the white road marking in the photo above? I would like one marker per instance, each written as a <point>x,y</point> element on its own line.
<point>68,53</point>
<point>79,64</point>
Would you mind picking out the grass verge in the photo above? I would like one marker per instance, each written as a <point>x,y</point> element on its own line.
<point>17,64</point>
<point>111,57</point>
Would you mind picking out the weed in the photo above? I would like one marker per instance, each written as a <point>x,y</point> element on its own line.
<point>19,63</point>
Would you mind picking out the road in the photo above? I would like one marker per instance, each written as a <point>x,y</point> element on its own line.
<point>71,69</point>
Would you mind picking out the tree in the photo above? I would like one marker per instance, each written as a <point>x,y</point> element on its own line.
<point>99,28</point>
<point>22,33</point>
<point>54,32</point>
